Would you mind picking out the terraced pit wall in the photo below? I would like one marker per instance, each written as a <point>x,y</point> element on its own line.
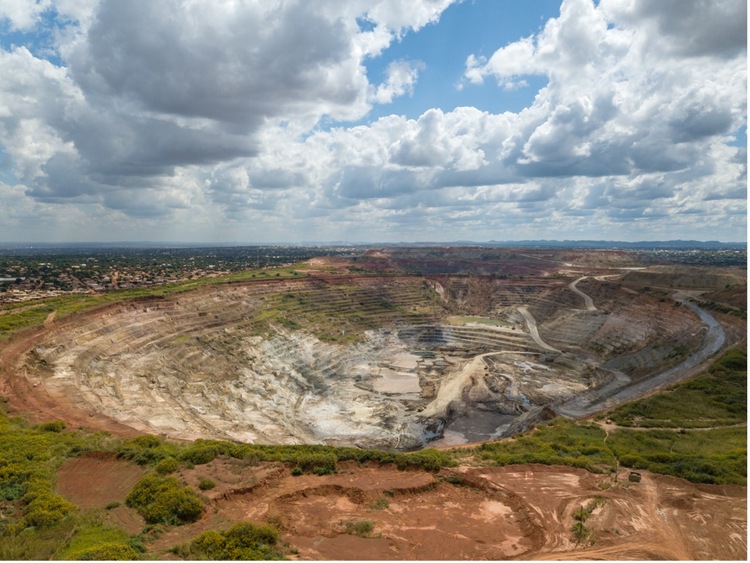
<point>388,362</point>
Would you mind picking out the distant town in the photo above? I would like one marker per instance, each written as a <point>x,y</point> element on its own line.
<point>30,274</point>
<point>41,271</point>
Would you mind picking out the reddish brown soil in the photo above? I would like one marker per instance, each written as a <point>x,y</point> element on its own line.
<point>95,481</point>
<point>516,512</point>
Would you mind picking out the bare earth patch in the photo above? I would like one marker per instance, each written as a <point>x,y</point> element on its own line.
<point>515,512</point>
<point>96,480</point>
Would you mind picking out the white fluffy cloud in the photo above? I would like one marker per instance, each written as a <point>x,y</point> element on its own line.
<point>192,119</point>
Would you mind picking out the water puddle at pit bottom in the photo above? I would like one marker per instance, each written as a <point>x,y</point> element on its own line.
<point>476,426</point>
<point>396,382</point>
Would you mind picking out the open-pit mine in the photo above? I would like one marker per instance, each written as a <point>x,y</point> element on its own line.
<point>392,349</point>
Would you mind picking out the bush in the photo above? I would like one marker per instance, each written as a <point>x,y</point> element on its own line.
<point>634,462</point>
<point>108,552</point>
<point>164,499</point>
<point>44,508</point>
<point>167,465</point>
<point>145,450</point>
<point>242,541</point>
<point>361,528</point>
<point>210,543</point>
<point>206,484</point>
<point>54,426</point>
<point>201,454</point>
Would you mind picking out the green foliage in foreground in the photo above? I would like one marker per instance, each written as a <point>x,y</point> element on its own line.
<point>686,445</point>
<point>162,499</point>
<point>322,460</point>
<point>243,541</point>
<point>561,442</point>
<point>28,458</point>
<point>718,398</point>
<point>108,552</point>
<point>95,540</point>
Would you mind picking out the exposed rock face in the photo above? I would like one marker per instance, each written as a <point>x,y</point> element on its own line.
<point>372,363</point>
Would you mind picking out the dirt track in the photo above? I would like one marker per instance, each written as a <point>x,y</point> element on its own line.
<point>516,512</point>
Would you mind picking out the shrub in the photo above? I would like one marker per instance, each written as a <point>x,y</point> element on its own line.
<point>361,528</point>
<point>164,499</point>
<point>108,552</point>
<point>54,426</point>
<point>633,461</point>
<point>201,454</point>
<point>167,465</point>
<point>206,484</point>
<point>145,450</point>
<point>209,543</point>
<point>242,541</point>
<point>44,508</point>
<point>429,460</point>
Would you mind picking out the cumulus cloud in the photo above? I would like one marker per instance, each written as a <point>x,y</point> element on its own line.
<point>402,75</point>
<point>209,115</point>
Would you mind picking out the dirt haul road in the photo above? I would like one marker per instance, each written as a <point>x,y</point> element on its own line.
<point>607,397</point>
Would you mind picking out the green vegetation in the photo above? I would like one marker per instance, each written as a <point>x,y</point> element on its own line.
<point>164,500</point>
<point>243,541</point>
<point>108,552</point>
<point>561,442</point>
<point>380,503</point>
<point>361,528</point>
<point>696,430</point>
<point>581,533</point>
<point>718,398</point>
<point>28,459</point>
<point>206,484</point>
<point>321,460</point>
<point>167,465</point>
<point>95,540</point>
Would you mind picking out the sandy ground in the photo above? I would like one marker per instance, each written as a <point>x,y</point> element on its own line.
<point>515,512</point>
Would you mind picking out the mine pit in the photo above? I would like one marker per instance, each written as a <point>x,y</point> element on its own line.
<point>398,362</point>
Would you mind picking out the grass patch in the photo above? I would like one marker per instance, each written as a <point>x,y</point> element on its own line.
<point>562,442</point>
<point>206,484</point>
<point>380,503</point>
<point>93,537</point>
<point>718,398</point>
<point>581,533</point>
<point>361,528</point>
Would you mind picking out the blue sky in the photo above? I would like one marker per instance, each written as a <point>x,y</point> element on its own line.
<point>372,120</point>
<point>479,27</point>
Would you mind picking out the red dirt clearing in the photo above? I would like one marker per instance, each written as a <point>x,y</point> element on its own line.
<point>515,512</point>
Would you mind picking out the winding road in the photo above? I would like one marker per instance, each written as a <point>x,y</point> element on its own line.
<point>618,391</point>
<point>586,299</point>
<point>531,323</point>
